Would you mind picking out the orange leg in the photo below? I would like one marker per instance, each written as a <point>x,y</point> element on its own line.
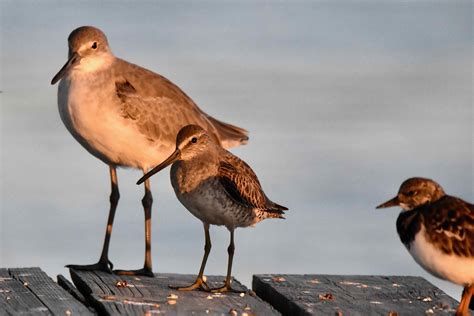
<point>199,284</point>
<point>463,309</point>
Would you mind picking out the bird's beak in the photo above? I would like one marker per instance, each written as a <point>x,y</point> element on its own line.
<point>69,64</point>
<point>390,203</point>
<point>174,156</point>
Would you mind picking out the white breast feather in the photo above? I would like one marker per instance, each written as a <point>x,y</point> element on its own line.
<point>459,270</point>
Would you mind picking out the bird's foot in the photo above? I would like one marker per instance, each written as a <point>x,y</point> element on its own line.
<point>143,272</point>
<point>102,265</point>
<point>227,288</point>
<point>199,284</point>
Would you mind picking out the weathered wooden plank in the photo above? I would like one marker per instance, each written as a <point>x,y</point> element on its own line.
<point>16,298</point>
<point>71,289</point>
<point>31,291</point>
<point>352,295</point>
<point>111,294</point>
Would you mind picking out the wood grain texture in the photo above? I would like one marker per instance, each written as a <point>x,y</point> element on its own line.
<point>29,291</point>
<point>352,295</point>
<point>112,294</point>
<point>71,289</point>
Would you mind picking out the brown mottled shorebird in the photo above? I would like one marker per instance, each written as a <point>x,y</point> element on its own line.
<point>216,187</point>
<point>126,116</point>
<point>438,231</point>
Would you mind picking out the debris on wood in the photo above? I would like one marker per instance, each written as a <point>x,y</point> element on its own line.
<point>424,299</point>
<point>121,283</point>
<point>326,297</point>
<point>278,279</point>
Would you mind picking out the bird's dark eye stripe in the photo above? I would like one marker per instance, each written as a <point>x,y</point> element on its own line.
<point>194,140</point>
<point>94,45</point>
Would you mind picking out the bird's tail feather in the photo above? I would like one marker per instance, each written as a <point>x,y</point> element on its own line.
<point>230,135</point>
<point>275,210</point>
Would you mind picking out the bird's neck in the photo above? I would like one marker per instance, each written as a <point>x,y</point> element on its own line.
<point>94,64</point>
<point>438,194</point>
<point>408,225</point>
<point>187,175</point>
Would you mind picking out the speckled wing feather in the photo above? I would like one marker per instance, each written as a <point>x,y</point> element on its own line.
<point>242,185</point>
<point>450,225</point>
<point>160,108</point>
<point>158,118</point>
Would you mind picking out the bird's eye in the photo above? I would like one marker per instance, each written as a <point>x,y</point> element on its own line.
<point>94,45</point>
<point>194,140</point>
<point>410,193</point>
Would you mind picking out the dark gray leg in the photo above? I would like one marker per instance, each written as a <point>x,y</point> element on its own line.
<point>104,263</point>
<point>147,270</point>
<point>228,280</point>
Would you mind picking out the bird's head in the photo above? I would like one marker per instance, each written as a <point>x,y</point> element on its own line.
<point>191,141</point>
<point>415,192</point>
<point>88,50</point>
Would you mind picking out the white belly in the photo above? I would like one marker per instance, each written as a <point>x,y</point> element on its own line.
<point>95,121</point>
<point>459,270</point>
<point>205,206</point>
<point>209,203</point>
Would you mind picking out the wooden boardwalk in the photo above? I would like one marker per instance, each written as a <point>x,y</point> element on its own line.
<point>113,295</point>
<point>29,291</point>
<point>352,295</point>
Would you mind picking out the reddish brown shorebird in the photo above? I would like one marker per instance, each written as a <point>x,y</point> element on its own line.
<point>438,231</point>
<point>218,188</point>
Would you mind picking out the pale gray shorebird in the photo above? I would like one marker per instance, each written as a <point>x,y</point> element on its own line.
<point>438,231</point>
<point>216,187</point>
<point>126,116</point>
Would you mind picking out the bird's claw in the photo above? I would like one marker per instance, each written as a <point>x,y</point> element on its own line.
<point>199,284</point>
<point>227,288</point>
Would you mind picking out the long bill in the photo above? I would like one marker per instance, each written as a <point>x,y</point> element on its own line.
<point>390,203</point>
<point>174,156</point>
<point>68,65</point>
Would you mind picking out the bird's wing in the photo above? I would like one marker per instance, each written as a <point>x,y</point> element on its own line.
<point>451,226</point>
<point>158,118</point>
<point>242,185</point>
<point>146,93</point>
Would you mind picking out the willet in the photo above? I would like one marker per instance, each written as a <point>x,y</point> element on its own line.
<point>216,187</point>
<point>438,231</point>
<point>126,116</point>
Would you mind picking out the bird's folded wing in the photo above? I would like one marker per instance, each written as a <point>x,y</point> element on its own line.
<point>451,226</point>
<point>158,118</point>
<point>154,92</point>
<point>242,185</point>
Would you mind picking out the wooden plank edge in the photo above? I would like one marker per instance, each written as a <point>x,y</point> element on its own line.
<point>86,292</point>
<point>275,299</point>
<point>71,289</point>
